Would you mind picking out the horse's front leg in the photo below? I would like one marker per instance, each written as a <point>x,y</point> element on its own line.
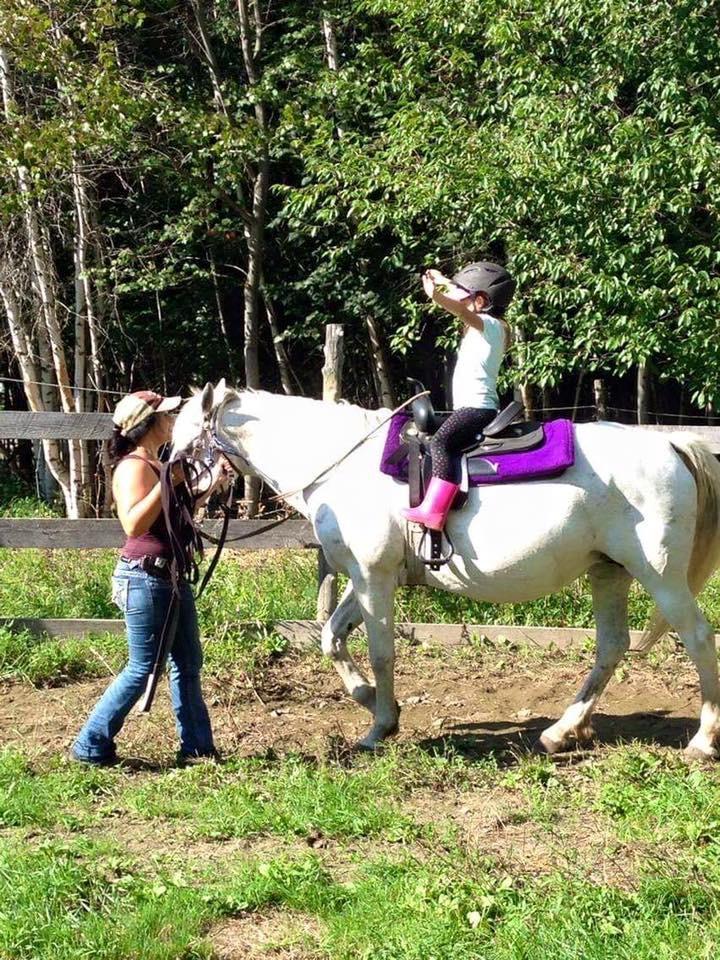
<point>374,592</point>
<point>346,616</point>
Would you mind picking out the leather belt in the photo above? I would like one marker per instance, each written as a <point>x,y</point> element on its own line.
<point>155,566</point>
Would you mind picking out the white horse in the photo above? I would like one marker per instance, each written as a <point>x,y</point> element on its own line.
<point>635,505</point>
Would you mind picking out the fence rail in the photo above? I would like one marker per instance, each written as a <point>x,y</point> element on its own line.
<point>306,633</point>
<point>16,425</point>
<point>102,534</point>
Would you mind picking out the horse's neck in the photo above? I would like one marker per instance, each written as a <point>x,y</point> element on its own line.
<point>290,440</point>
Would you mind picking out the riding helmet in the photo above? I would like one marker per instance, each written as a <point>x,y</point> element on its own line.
<point>488,278</point>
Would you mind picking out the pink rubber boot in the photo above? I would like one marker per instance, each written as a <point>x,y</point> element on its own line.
<point>433,511</point>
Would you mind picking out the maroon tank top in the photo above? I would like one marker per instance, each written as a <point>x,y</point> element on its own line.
<point>154,543</point>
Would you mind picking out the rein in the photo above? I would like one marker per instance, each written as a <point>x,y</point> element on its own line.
<point>231,451</point>
<point>186,537</point>
<point>186,547</point>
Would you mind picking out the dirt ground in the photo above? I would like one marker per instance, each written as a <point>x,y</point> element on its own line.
<point>297,704</point>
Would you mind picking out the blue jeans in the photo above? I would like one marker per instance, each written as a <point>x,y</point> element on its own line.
<point>144,600</point>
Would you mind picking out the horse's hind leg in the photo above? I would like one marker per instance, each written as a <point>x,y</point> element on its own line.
<point>346,616</point>
<point>610,584</point>
<point>679,607</point>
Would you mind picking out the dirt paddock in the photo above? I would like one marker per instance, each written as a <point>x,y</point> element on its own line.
<point>296,704</point>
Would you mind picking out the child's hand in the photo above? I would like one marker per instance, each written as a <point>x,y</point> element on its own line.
<point>430,279</point>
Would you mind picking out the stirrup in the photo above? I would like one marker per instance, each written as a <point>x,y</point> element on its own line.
<point>437,558</point>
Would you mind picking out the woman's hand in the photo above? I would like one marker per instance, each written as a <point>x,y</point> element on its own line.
<point>177,473</point>
<point>220,474</point>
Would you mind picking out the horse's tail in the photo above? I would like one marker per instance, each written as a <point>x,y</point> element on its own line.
<point>705,556</point>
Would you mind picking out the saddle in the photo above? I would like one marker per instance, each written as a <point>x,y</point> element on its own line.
<point>505,434</point>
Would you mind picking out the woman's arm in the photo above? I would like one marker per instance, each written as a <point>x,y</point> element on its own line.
<point>137,494</point>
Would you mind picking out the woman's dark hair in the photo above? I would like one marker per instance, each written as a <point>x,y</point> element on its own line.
<point>120,446</point>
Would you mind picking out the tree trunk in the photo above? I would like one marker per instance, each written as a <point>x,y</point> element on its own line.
<point>330,40</point>
<point>49,328</point>
<point>524,391</point>
<point>251,42</point>
<point>327,27</point>
<point>332,390</point>
<point>47,452</point>
<point>208,54</point>
<point>286,372</point>
<point>380,364</point>
<point>546,399</point>
<point>578,391</point>
<point>600,392</point>
<point>221,316</point>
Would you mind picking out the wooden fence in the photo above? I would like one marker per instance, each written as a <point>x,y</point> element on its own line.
<point>294,534</point>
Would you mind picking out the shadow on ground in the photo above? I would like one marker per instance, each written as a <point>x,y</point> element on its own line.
<point>506,739</point>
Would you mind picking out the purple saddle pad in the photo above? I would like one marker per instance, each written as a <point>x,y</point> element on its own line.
<point>554,455</point>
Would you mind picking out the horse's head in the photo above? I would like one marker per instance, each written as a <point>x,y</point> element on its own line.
<point>194,425</point>
<point>210,423</point>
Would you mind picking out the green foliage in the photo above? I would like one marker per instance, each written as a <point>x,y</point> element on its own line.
<point>577,139</point>
<point>17,499</point>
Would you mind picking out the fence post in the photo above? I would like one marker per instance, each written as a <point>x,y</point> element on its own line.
<point>332,388</point>
<point>600,392</point>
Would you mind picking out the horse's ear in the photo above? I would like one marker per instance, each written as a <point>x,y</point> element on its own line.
<point>220,391</point>
<point>207,400</point>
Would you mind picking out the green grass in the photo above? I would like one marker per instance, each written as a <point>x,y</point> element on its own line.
<point>247,591</point>
<point>655,796</point>
<point>294,798</point>
<point>389,887</point>
<point>47,661</point>
<point>72,901</point>
<point>63,794</point>
<point>274,586</point>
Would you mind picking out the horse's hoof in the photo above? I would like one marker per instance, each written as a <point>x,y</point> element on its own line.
<point>548,747</point>
<point>695,753</point>
<point>377,737</point>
